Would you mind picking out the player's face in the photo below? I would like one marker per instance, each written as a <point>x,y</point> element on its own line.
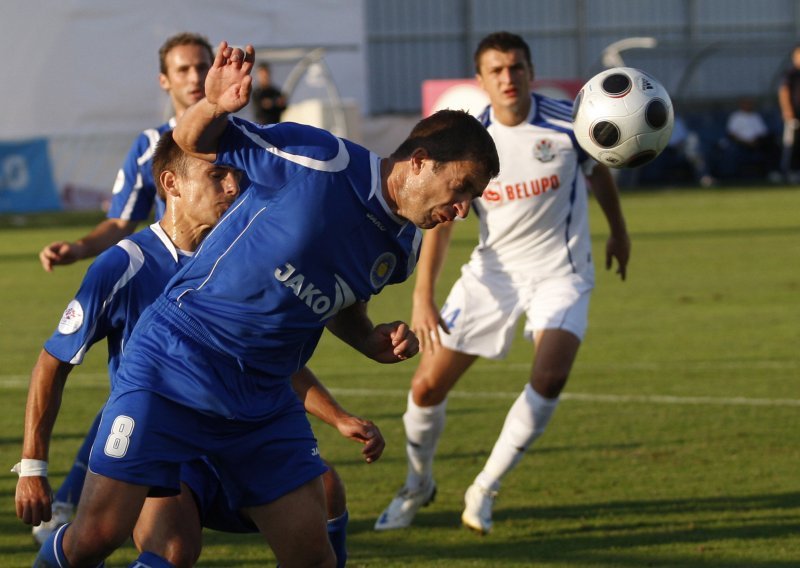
<point>206,191</point>
<point>187,67</point>
<point>506,77</point>
<point>439,192</point>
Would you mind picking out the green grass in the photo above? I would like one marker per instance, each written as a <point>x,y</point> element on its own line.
<point>677,442</point>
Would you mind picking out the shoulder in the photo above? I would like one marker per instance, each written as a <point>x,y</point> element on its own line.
<point>299,143</point>
<point>553,109</point>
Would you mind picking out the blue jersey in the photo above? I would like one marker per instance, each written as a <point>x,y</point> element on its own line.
<point>311,236</point>
<point>134,192</point>
<point>116,289</point>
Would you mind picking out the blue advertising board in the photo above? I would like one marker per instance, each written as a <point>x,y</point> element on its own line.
<point>26,178</point>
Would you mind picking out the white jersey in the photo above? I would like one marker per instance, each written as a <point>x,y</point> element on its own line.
<point>534,215</point>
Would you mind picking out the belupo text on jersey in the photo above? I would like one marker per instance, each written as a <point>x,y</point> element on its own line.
<point>496,192</point>
<point>312,296</point>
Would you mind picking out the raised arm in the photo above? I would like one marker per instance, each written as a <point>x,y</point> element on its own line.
<point>228,86</point>
<point>34,495</point>
<point>618,244</point>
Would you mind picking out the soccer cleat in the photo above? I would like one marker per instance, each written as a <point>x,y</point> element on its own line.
<point>62,513</point>
<point>401,511</point>
<point>477,513</point>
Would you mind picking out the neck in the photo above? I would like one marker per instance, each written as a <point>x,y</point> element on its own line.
<point>389,183</point>
<point>183,234</point>
<point>513,115</point>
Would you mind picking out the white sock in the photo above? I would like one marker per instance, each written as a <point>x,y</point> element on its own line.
<point>424,427</point>
<point>525,421</point>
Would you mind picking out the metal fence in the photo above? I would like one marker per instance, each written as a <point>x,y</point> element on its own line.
<point>706,51</point>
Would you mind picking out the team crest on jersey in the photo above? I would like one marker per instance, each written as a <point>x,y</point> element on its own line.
<point>543,150</point>
<point>382,269</point>
<point>71,319</point>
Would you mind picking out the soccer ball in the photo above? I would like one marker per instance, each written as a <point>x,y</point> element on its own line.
<point>623,117</point>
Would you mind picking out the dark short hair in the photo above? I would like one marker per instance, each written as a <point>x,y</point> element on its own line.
<point>168,156</point>
<point>504,42</point>
<point>263,65</point>
<point>451,135</point>
<point>183,38</point>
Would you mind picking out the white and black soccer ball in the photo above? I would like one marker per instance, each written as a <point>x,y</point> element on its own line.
<point>623,117</point>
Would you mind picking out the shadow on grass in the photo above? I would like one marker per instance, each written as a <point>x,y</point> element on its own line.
<point>603,534</point>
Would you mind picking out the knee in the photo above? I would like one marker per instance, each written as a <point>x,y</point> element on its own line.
<point>426,390</point>
<point>549,383</point>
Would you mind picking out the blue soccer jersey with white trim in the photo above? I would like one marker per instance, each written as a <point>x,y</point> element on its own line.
<point>116,289</point>
<point>310,237</point>
<point>134,192</point>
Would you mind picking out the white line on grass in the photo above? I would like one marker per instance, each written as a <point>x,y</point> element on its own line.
<point>97,379</point>
<point>587,397</point>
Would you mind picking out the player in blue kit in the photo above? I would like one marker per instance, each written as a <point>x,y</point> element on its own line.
<point>116,289</point>
<point>325,225</point>
<point>184,60</point>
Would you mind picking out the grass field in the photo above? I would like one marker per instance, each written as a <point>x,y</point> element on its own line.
<point>677,442</point>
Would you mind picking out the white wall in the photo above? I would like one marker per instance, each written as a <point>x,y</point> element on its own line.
<point>84,73</point>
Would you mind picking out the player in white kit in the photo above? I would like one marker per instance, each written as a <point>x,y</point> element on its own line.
<point>533,258</point>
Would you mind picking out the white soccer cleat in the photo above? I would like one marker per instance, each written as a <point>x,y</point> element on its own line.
<point>62,514</point>
<point>401,511</point>
<point>477,513</point>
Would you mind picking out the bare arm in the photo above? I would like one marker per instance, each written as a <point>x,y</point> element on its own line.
<point>228,86</point>
<point>385,342</point>
<point>106,234</point>
<point>425,318</point>
<point>319,402</point>
<point>49,375</point>
<point>619,244</point>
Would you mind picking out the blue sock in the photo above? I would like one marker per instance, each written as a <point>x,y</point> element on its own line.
<point>70,490</point>
<point>150,560</point>
<point>337,534</point>
<point>51,554</point>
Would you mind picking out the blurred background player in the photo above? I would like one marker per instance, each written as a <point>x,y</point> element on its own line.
<point>114,292</point>
<point>789,101</point>
<point>533,258</point>
<point>268,101</point>
<point>184,60</point>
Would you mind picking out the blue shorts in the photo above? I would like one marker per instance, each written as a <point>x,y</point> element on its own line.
<point>144,438</point>
<point>212,503</point>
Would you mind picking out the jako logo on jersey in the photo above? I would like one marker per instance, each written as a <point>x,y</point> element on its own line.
<point>315,451</point>
<point>313,296</point>
<point>375,221</point>
<point>72,318</point>
<point>543,150</point>
<point>382,269</point>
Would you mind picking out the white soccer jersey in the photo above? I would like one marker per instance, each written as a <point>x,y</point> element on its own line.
<point>533,216</point>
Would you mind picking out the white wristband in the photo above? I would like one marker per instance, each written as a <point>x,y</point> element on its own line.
<point>30,468</point>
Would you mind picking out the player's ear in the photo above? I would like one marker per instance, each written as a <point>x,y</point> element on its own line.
<point>418,157</point>
<point>168,181</point>
<point>163,81</point>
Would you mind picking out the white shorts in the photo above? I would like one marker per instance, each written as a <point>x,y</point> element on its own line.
<point>482,310</point>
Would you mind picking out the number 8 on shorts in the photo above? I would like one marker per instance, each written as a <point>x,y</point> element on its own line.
<point>118,440</point>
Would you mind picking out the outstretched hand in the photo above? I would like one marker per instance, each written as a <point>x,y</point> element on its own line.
<point>228,82</point>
